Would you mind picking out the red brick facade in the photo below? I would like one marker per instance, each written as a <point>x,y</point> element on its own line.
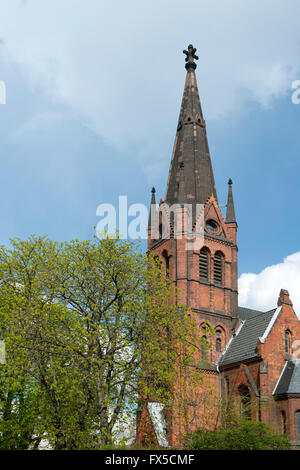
<point>266,370</point>
<point>207,282</point>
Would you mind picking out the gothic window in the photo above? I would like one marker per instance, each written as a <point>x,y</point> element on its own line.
<point>283,417</point>
<point>220,337</point>
<point>287,342</point>
<point>203,348</point>
<point>245,401</point>
<point>204,264</point>
<point>298,424</point>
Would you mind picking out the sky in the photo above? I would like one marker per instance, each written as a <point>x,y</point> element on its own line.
<point>93,91</point>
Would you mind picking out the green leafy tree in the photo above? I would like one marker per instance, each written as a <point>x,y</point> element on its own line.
<point>246,435</point>
<point>79,320</point>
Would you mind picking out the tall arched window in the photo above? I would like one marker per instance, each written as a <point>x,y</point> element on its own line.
<point>204,264</point>
<point>287,342</point>
<point>218,268</point>
<point>297,423</point>
<point>220,338</point>
<point>245,401</point>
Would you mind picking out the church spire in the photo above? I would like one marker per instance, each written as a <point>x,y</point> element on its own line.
<point>230,213</point>
<point>191,146</point>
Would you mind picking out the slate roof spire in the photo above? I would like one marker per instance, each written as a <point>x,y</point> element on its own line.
<point>190,147</point>
<point>230,213</point>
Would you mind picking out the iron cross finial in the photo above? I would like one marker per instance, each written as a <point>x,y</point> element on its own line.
<point>190,56</point>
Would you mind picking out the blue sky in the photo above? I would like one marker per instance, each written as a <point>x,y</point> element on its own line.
<point>93,96</point>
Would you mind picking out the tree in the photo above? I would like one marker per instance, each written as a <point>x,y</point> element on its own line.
<point>78,319</point>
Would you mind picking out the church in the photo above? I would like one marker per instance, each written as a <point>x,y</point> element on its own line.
<point>253,356</point>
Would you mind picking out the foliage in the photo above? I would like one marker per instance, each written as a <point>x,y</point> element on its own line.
<point>79,320</point>
<point>246,435</point>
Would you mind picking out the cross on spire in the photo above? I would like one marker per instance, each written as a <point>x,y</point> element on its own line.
<point>190,56</point>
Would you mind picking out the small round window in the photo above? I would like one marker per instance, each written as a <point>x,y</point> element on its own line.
<point>211,226</point>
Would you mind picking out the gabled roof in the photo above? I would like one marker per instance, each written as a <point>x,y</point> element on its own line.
<point>245,313</point>
<point>243,346</point>
<point>289,380</point>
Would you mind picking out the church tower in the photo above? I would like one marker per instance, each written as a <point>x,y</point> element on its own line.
<point>249,358</point>
<point>206,275</point>
<point>205,272</point>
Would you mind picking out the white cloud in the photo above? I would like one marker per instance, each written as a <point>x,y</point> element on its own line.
<point>119,64</point>
<point>260,291</point>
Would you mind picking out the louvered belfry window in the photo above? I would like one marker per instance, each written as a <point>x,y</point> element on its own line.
<point>204,264</point>
<point>218,268</point>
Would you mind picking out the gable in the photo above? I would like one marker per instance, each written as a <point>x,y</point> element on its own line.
<point>213,212</point>
<point>284,319</point>
<point>289,380</point>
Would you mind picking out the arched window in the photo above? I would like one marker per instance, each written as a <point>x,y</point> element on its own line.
<point>297,423</point>
<point>203,348</point>
<point>287,342</point>
<point>220,338</point>
<point>245,401</point>
<point>283,418</point>
<point>204,264</point>
<point>218,268</point>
